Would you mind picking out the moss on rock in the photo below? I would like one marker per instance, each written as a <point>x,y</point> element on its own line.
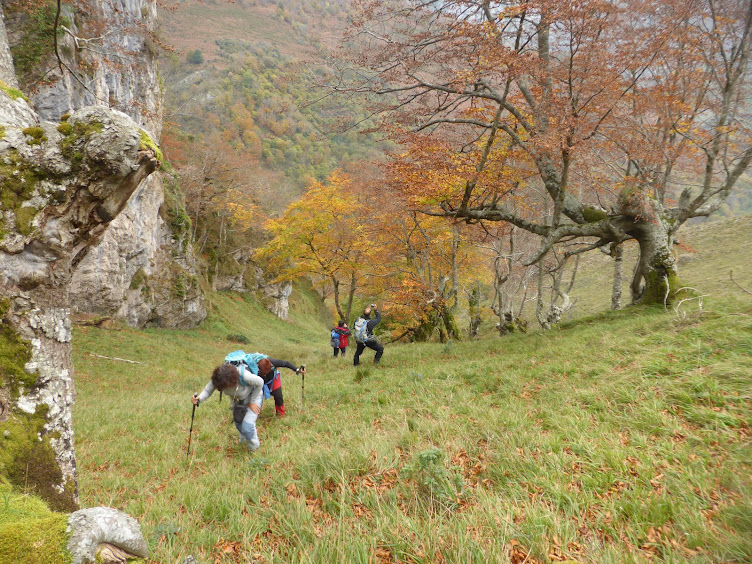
<point>147,143</point>
<point>140,280</point>
<point>12,92</point>
<point>29,463</point>
<point>37,135</point>
<point>14,354</point>
<point>35,45</point>
<point>27,459</point>
<point>24,217</point>
<point>19,181</point>
<point>29,531</point>
<point>70,146</point>
<point>65,128</point>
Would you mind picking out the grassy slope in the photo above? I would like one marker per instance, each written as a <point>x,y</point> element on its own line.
<point>197,25</point>
<point>617,438</point>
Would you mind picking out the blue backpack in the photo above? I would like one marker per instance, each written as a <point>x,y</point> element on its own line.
<point>249,361</point>
<point>335,339</point>
<point>243,361</point>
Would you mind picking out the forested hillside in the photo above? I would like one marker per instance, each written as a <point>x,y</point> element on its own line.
<point>255,92</point>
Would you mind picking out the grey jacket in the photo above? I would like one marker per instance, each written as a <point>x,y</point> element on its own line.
<point>250,393</point>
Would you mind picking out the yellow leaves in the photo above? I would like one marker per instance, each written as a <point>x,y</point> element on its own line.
<point>243,210</point>
<point>320,233</point>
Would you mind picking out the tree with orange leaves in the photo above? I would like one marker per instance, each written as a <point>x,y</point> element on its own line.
<point>588,123</point>
<point>320,235</point>
<point>419,268</point>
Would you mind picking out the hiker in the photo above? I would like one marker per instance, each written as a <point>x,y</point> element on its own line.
<point>340,338</point>
<point>245,389</point>
<point>364,337</point>
<point>267,369</point>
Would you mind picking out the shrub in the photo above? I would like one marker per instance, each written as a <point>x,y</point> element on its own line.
<point>238,339</point>
<point>196,57</point>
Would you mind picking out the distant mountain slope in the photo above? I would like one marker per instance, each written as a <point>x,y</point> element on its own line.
<point>197,25</point>
<point>246,75</point>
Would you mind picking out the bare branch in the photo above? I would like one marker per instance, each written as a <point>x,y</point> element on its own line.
<point>742,288</point>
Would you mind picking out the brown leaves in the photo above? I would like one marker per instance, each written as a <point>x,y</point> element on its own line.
<point>229,551</point>
<point>519,554</point>
<point>384,555</point>
<point>471,469</point>
<point>379,482</point>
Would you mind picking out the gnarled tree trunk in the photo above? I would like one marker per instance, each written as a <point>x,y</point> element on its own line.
<point>656,279</point>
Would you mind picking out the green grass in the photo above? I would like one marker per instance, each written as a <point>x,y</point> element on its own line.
<point>622,437</point>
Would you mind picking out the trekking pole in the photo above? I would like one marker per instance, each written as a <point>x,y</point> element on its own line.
<point>302,383</point>
<point>190,432</point>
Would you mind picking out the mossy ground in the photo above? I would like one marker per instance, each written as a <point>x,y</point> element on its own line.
<point>29,532</point>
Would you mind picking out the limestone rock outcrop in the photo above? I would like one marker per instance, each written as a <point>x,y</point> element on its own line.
<point>248,277</point>
<point>104,535</point>
<point>61,185</point>
<point>139,271</point>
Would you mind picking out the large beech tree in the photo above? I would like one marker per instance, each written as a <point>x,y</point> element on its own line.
<point>586,122</point>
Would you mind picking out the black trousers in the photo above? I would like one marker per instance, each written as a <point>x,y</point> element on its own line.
<point>375,345</point>
<point>277,395</point>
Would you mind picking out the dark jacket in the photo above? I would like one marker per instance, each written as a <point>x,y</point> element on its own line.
<point>278,364</point>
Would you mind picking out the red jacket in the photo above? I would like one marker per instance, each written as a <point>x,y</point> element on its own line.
<point>343,333</point>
